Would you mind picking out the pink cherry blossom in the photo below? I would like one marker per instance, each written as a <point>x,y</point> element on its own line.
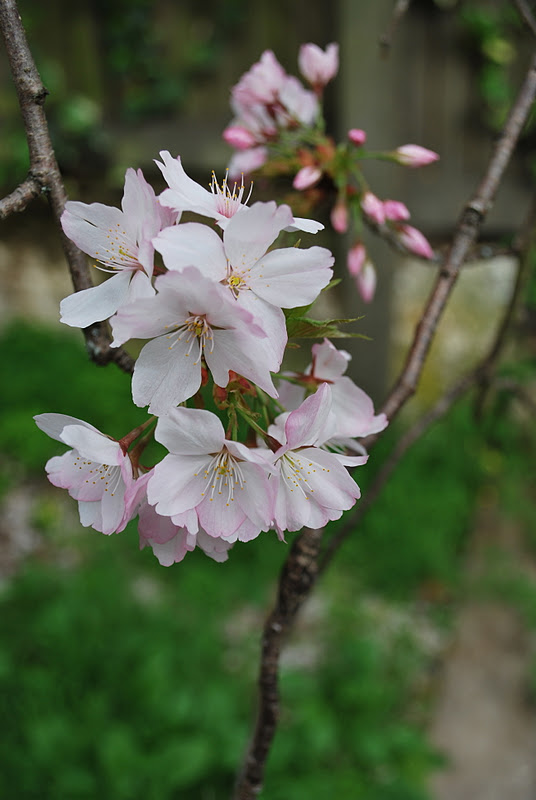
<point>224,482</point>
<point>296,104</point>
<point>313,486</point>
<point>170,543</point>
<point>307,177</point>
<point>262,82</point>
<point>357,136</point>
<point>413,155</point>
<point>221,203</point>
<point>247,161</point>
<point>96,472</point>
<point>373,208</point>
<point>192,317</point>
<point>352,409</point>
<point>319,66</point>
<point>121,241</point>
<point>260,282</point>
<point>414,241</point>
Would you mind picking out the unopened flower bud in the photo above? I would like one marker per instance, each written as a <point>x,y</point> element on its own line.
<point>373,207</point>
<point>395,210</point>
<point>339,216</point>
<point>239,137</point>
<point>357,136</point>
<point>307,177</point>
<point>414,241</point>
<point>366,281</point>
<point>412,155</point>
<point>356,259</point>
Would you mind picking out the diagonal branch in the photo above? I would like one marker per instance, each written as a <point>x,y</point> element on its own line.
<point>250,780</point>
<point>467,230</point>
<point>44,176</point>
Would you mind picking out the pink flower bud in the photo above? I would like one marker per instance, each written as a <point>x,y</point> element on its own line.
<point>366,281</point>
<point>357,136</point>
<point>306,177</point>
<point>373,207</point>
<point>356,259</point>
<point>412,155</point>
<point>414,241</point>
<point>318,66</point>
<point>239,137</point>
<point>394,210</point>
<point>247,161</point>
<point>339,216</point>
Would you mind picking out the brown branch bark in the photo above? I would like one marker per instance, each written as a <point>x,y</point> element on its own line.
<point>19,199</point>
<point>296,581</point>
<point>44,176</point>
<point>250,780</point>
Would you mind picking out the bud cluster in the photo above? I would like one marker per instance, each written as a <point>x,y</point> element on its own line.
<point>279,129</point>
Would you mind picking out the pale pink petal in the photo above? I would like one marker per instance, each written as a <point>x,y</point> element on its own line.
<point>290,276</point>
<point>165,375</point>
<point>96,303</point>
<point>192,244</point>
<point>177,484</point>
<point>184,193</point>
<point>247,161</point>
<point>328,362</point>
<point>92,444</point>
<point>309,423</point>
<point>305,225</point>
<point>317,65</point>
<point>272,321</point>
<point>249,234</point>
<point>234,351</point>
<point>190,432</point>
<point>53,424</point>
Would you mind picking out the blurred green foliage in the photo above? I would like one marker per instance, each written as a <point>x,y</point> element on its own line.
<point>107,64</point>
<point>495,33</point>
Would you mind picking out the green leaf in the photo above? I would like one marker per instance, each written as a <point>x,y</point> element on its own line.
<point>306,328</point>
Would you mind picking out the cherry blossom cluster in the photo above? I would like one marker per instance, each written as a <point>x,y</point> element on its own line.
<point>212,303</point>
<point>279,128</point>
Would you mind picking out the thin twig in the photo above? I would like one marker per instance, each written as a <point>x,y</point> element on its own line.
<point>386,39</point>
<point>250,780</point>
<point>19,199</point>
<point>44,176</point>
<point>527,14</point>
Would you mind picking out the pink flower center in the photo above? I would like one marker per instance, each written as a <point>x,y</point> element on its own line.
<point>228,201</point>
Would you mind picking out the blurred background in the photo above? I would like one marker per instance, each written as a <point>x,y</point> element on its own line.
<point>411,674</point>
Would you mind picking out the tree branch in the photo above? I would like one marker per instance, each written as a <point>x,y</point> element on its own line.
<point>19,199</point>
<point>250,780</point>
<point>468,227</point>
<point>44,176</point>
